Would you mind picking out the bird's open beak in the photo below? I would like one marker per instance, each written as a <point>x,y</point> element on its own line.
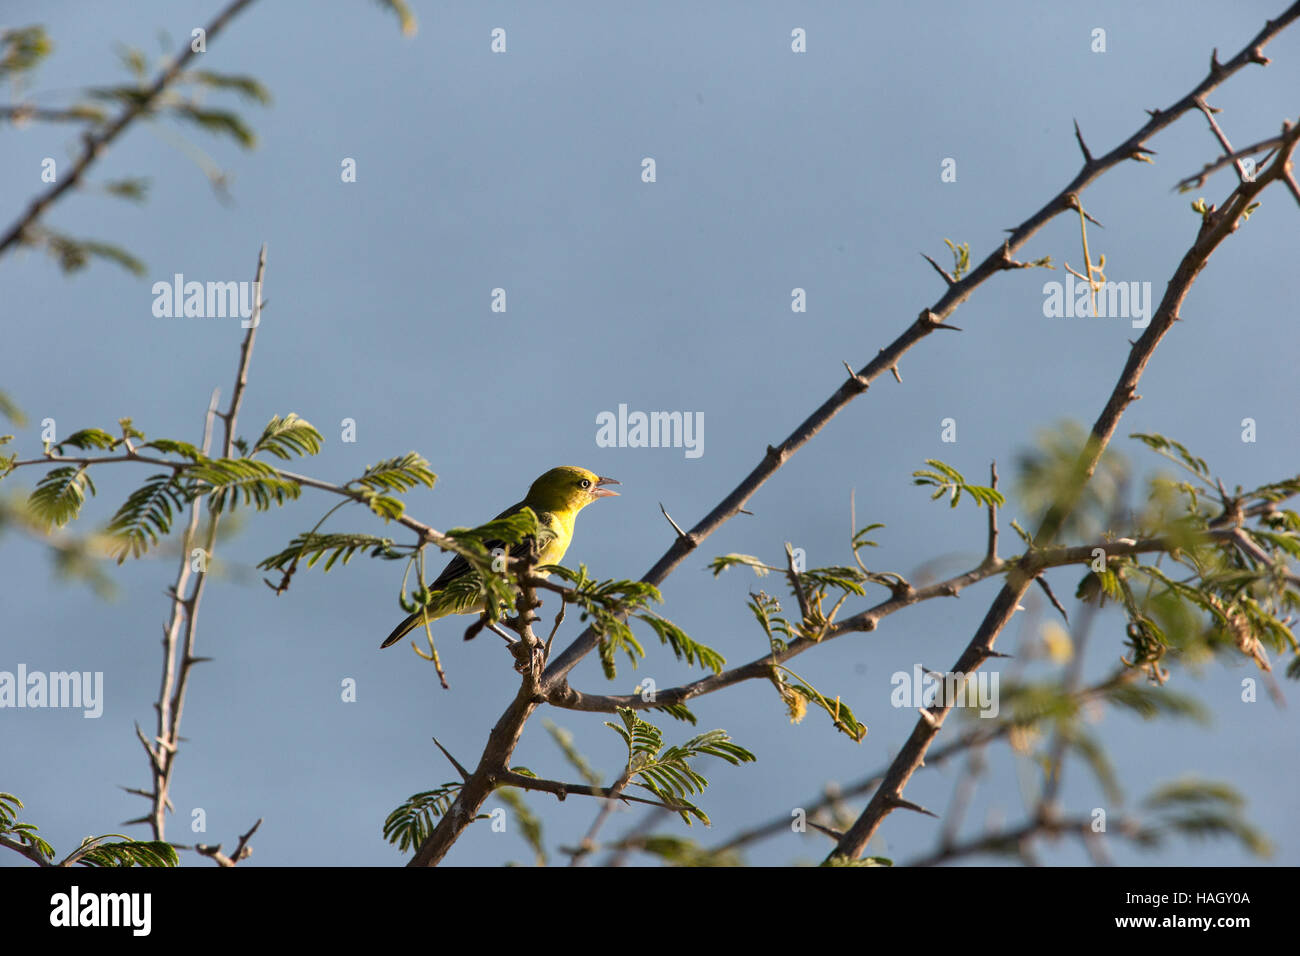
<point>599,492</point>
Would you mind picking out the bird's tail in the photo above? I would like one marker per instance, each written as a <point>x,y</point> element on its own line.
<point>406,627</point>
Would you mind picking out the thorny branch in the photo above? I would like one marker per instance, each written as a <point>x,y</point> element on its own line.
<point>1216,226</point>
<point>179,636</point>
<point>553,686</point>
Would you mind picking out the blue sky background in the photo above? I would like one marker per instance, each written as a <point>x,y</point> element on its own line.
<point>522,171</point>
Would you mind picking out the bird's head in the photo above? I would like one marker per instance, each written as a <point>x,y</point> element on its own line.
<point>568,489</point>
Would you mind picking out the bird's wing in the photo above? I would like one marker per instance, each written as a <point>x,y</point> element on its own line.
<point>458,566</point>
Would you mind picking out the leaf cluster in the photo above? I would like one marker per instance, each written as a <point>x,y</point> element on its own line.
<point>667,772</point>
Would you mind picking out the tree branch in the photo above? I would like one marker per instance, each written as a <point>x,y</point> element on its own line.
<point>929,319</point>
<point>570,698</point>
<point>1216,226</point>
<point>95,144</point>
<point>184,611</point>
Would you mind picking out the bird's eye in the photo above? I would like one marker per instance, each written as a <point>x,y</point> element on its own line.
<point>586,483</point>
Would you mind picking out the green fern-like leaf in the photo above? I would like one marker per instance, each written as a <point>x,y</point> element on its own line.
<point>74,254</point>
<point>219,122</point>
<point>386,506</point>
<point>153,853</point>
<point>948,480</point>
<point>22,49</point>
<point>1152,702</point>
<point>397,474</point>
<point>1194,792</point>
<point>250,88</point>
<point>24,833</point>
<point>564,740</point>
<point>678,712</point>
<point>641,737</point>
<point>1203,809</point>
<point>9,804</point>
<point>146,516</point>
<point>848,580</point>
<point>59,495</point>
<point>840,713</point>
<point>10,410</point>
<point>1175,452</point>
<point>724,561</point>
<point>410,824</point>
<point>230,481</point>
<point>960,257</point>
<point>680,851</point>
<point>668,774</point>
<point>332,547</point>
<point>530,825</point>
<point>288,436</point>
<point>1089,748</point>
<point>767,611</point>
<point>169,447</point>
<point>684,647</point>
<point>88,438</point>
<point>133,189</point>
<point>511,530</point>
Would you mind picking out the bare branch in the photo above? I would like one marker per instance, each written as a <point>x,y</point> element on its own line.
<point>588,844</point>
<point>1205,108</point>
<point>563,790</point>
<point>242,851</point>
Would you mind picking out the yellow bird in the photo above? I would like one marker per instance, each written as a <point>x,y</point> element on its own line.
<point>556,498</point>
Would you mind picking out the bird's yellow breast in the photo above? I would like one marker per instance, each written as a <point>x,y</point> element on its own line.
<point>560,527</point>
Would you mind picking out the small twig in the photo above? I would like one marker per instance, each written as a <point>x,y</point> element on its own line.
<point>1205,108</point>
<point>1019,838</point>
<point>524,782</point>
<point>1196,180</point>
<point>588,844</point>
<point>242,851</point>
<point>991,554</point>
<point>797,585</point>
<point>559,619</point>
